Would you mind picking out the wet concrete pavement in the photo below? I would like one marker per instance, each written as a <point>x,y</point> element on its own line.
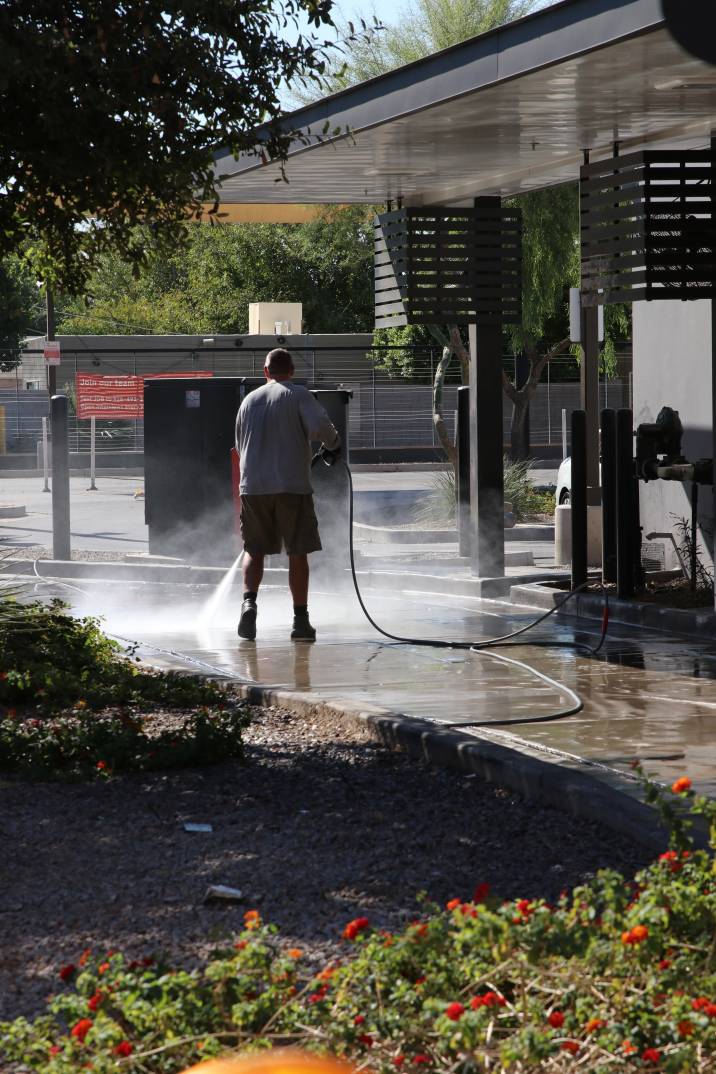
<point>645,695</point>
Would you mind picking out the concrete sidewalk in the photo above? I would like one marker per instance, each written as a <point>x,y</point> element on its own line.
<point>646,695</point>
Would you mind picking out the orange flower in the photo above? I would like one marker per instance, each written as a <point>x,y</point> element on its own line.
<point>683,783</point>
<point>241,944</point>
<point>295,952</point>
<point>84,957</point>
<point>636,935</point>
<point>252,919</point>
<point>452,904</point>
<point>103,968</point>
<point>594,1023</point>
<point>628,1048</point>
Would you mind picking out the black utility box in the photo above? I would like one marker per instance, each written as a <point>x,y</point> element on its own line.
<point>188,436</point>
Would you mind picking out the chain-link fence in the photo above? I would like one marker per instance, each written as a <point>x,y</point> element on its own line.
<point>386,412</point>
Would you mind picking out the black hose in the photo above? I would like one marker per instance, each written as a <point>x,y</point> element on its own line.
<point>503,641</point>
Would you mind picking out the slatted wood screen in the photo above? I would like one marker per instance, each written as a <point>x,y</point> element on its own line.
<point>437,266</point>
<point>648,227</point>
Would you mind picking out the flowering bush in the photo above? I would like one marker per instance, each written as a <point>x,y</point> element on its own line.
<point>518,986</point>
<point>72,704</point>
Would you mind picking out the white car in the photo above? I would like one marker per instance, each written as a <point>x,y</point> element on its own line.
<point>563,492</point>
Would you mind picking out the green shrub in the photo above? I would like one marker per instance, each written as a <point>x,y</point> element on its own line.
<point>617,976</point>
<point>438,508</point>
<point>72,705</point>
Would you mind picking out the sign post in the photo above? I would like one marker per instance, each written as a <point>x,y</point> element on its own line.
<point>45,460</point>
<point>93,487</point>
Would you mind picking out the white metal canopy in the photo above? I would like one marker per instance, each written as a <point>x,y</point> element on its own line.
<point>508,111</point>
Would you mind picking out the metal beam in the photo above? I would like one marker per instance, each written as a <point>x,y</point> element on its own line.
<point>589,399</point>
<point>487,494</point>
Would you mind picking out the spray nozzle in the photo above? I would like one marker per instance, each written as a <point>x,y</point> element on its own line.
<point>326,456</point>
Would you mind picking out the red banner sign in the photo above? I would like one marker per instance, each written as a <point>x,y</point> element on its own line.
<point>117,397</point>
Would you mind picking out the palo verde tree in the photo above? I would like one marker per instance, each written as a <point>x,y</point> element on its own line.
<point>550,223</point>
<point>112,113</point>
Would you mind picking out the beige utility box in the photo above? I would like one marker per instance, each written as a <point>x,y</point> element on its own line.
<point>275,318</point>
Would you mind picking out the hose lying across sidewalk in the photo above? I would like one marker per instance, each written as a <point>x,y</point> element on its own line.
<point>480,647</point>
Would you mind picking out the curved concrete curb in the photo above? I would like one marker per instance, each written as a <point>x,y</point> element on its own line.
<point>556,781</point>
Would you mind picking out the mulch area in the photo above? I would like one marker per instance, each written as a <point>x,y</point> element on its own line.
<point>320,826</point>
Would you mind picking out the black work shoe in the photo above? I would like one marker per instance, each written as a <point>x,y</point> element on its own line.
<point>302,629</point>
<point>247,622</point>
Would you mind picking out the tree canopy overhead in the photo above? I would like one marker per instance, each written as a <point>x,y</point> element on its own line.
<point>112,111</point>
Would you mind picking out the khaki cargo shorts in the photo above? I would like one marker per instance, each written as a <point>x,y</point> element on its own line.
<point>286,518</point>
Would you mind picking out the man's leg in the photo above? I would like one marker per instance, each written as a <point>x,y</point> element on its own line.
<point>253,572</point>
<point>298,574</point>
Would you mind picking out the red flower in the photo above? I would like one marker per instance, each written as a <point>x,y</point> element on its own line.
<point>55,1049</point>
<point>570,1046</point>
<point>365,1038</point>
<point>468,910</point>
<point>481,892</point>
<point>359,1020</point>
<point>239,945</point>
<point>80,1030</point>
<point>710,1010</point>
<point>454,1011</point>
<point>651,1055</point>
<point>700,1003</point>
<point>94,1001</point>
<point>685,1028</point>
<point>355,927</point>
<point>316,997</point>
<point>101,766</point>
<point>419,981</point>
<point>103,968</point>
<point>67,971</point>
<point>664,963</point>
<point>556,1019</point>
<point>124,1048</point>
<point>418,1059</point>
<point>683,783</point>
<point>398,1060</point>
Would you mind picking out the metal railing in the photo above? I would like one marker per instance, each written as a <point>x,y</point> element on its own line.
<point>386,411</point>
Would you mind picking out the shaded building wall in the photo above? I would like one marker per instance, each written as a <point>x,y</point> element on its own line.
<point>672,367</point>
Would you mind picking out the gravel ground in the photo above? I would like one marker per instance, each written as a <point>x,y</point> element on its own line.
<point>320,826</point>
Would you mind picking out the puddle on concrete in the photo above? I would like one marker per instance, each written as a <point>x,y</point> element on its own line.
<point>644,696</point>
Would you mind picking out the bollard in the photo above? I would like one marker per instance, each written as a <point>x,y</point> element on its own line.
<point>60,479</point>
<point>625,504</point>
<point>579,498</point>
<point>462,471</point>
<point>608,427</point>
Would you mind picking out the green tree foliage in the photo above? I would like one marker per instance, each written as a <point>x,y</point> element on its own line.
<point>112,114</point>
<point>326,264</point>
<point>427,26</point>
<point>20,312</point>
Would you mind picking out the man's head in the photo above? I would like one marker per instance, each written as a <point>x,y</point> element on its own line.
<point>278,365</point>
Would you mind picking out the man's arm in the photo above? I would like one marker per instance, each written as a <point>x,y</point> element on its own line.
<point>317,423</point>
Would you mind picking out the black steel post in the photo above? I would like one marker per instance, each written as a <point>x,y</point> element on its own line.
<point>589,398</point>
<point>608,426</point>
<point>522,375</point>
<point>462,471</point>
<point>625,504</point>
<point>60,479</point>
<point>487,489</point>
<point>579,498</point>
<point>712,190</point>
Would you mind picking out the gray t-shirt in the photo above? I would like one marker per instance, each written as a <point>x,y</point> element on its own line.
<point>274,429</point>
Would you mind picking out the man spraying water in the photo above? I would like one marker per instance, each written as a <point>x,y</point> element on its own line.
<point>274,429</point>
